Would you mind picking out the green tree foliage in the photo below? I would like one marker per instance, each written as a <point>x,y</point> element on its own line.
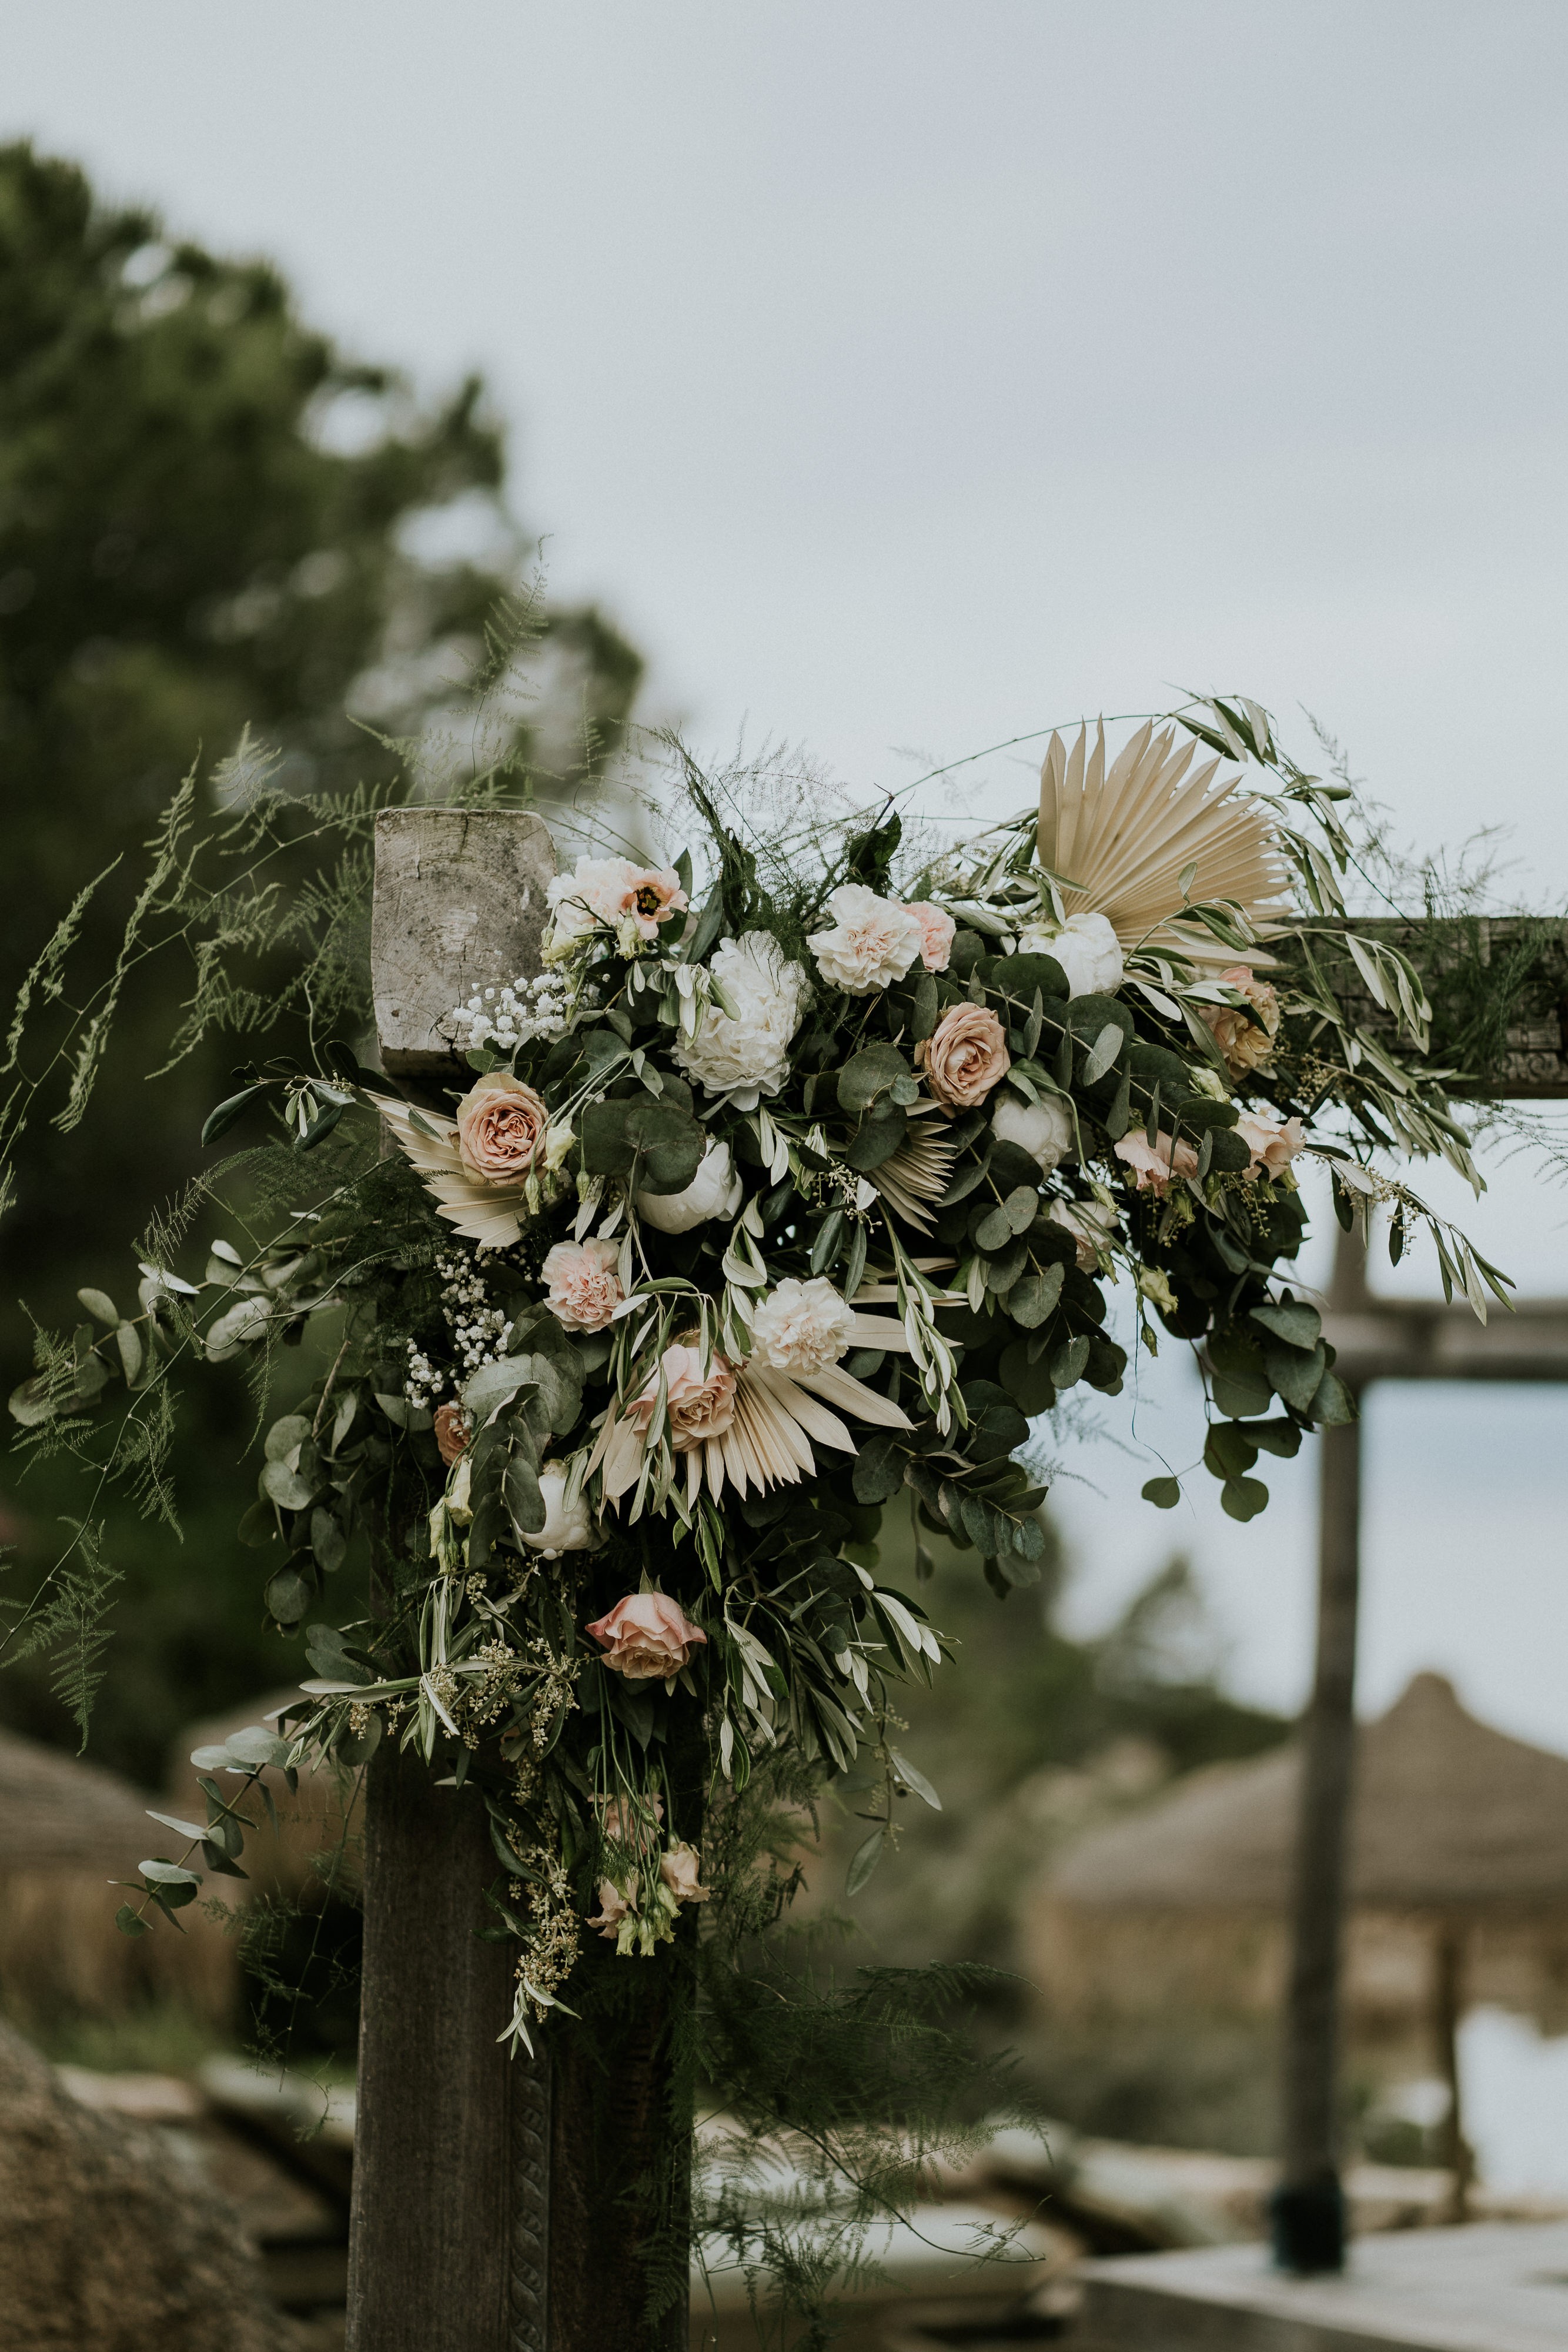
<point>209,518</point>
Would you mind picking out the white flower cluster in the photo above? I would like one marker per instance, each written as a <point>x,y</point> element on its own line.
<point>513,1014</point>
<point>477,1331</point>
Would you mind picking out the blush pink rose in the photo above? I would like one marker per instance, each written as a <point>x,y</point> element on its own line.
<point>698,1408</point>
<point>582,1289</point>
<point>1244,1045</point>
<point>1153,1166</point>
<point>646,1637</point>
<point>502,1127</point>
<point>937,930</point>
<point>453,1429</point>
<point>1273,1142</point>
<point>650,894</point>
<point>965,1057</point>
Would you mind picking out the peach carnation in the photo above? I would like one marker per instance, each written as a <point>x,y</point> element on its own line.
<point>582,1289</point>
<point>502,1129</point>
<point>937,930</point>
<point>965,1057</point>
<point>1153,1166</point>
<point>646,1637</point>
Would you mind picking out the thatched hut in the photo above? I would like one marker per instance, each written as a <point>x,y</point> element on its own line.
<point>1458,1880</point>
<point>67,1829</point>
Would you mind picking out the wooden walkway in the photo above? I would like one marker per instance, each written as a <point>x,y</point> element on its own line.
<point>1495,2287</point>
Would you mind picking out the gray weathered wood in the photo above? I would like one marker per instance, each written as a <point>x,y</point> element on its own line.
<point>459,904</point>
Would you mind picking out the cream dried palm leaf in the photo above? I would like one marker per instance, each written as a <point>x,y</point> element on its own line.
<point>777,1415</point>
<point>490,1214</point>
<point>1122,839</point>
<point>913,1179</point>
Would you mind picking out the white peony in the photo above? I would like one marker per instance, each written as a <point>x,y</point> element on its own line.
<point>1085,947</point>
<point>873,940</point>
<point>564,1530</point>
<point>715,1191</point>
<point>746,1052</point>
<point>1043,1130</point>
<point>801,1327</point>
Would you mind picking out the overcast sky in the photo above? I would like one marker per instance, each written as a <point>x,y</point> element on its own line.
<point>907,376</point>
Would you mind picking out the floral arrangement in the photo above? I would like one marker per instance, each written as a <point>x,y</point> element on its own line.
<point>758,1218</point>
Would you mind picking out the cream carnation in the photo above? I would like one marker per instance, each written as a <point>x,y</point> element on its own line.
<point>801,1327</point>
<point>745,1051</point>
<point>1085,947</point>
<point>715,1191</point>
<point>1043,1128</point>
<point>873,940</point>
<point>582,1289</point>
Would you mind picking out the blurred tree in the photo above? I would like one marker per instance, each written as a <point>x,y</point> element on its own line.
<point>209,518</point>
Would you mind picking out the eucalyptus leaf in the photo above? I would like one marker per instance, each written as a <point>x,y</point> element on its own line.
<point>1163,1492</point>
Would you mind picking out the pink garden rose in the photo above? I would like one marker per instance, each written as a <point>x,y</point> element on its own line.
<point>965,1057</point>
<point>937,930</point>
<point>582,1289</point>
<point>453,1428</point>
<point>698,1408</point>
<point>1153,1166</point>
<point>647,1637</point>
<point>1244,1045</point>
<point>1273,1142</point>
<point>502,1127</point>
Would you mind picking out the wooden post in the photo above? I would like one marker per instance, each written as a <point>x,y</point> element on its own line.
<point>1447,2008</point>
<point>500,2205</point>
<point>1309,2204</point>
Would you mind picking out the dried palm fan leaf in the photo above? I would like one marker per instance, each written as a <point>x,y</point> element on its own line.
<point>768,1443</point>
<point>487,1213</point>
<point>1122,839</point>
<point>913,1179</point>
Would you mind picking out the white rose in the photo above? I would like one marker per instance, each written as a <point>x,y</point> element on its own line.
<point>747,1051</point>
<point>1085,947</point>
<point>873,940</point>
<point>1043,1130</point>
<point>801,1327</point>
<point>566,1528</point>
<point>715,1191</point>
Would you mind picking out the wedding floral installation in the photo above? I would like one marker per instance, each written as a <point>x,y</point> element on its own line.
<point>771,1206</point>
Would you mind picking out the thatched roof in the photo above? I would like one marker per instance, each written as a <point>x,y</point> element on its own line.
<point>58,1814</point>
<point>1449,1815</point>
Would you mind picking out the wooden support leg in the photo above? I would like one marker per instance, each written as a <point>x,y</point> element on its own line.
<point>448,2241</point>
<point>1448,2008</point>
<point>1309,2204</point>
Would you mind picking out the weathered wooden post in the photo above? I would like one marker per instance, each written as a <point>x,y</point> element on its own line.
<point>448,2247</point>
<point>500,2204</point>
<point>1377,1339</point>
